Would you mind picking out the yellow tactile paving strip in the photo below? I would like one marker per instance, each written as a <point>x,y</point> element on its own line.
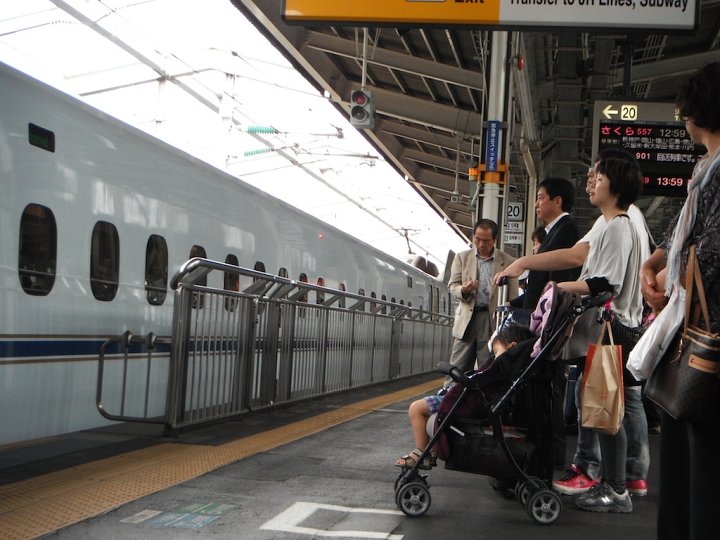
<point>47,503</point>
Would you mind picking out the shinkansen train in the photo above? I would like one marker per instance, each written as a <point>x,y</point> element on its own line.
<point>96,216</point>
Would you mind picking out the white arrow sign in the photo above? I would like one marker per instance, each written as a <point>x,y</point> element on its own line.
<point>609,112</point>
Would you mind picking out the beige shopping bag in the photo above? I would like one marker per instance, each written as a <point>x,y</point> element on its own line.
<point>601,394</point>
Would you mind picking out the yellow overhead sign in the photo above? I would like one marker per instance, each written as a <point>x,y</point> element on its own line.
<point>651,14</point>
<point>394,11</point>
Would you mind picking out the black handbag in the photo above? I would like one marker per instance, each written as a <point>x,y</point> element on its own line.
<point>626,336</point>
<point>685,382</point>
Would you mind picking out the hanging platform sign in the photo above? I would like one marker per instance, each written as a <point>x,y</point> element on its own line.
<point>655,136</point>
<point>650,14</point>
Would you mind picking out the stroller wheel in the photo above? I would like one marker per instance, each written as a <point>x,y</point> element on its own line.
<point>544,507</point>
<point>523,489</point>
<point>416,478</point>
<point>413,498</point>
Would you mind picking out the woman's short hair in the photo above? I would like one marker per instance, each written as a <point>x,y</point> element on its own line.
<point>698,97</point>
<point>624,173</point>
<point>539,234</point>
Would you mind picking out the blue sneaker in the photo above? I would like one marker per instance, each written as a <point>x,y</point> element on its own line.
<point>603,498</point>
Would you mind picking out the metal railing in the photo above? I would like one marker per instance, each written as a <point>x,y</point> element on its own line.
<point>236,351</point>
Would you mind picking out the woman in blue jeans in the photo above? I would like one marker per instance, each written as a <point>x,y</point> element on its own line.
<point>586,462</point>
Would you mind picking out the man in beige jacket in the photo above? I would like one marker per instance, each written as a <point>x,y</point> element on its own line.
<point>472,285</point>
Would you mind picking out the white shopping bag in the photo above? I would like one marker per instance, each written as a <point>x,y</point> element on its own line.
<point>654,342</point>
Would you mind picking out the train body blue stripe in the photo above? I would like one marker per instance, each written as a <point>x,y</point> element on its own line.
<point>63,347</point>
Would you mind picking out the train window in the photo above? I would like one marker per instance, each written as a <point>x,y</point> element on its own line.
<point>283,272</point>
<point>38,250</point>
<point>410,283</point>
<point>198,300</point>
<point>384,308</point>
<point>156,270</point>
<point>303,279</point>
<point>231,282</point>
<point>104,261</point>
<point>341,287</point>
<point>320,296</point>
<point>361,292</point>
<point>373,305</point>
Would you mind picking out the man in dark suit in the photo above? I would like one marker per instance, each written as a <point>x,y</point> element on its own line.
<point>554,201</point>
<point>555,198</point>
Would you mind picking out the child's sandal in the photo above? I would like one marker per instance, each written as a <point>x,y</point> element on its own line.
<point>410,460</point>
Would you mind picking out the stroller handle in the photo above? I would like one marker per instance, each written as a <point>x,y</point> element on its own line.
<point>596,301</point>
<point>457,375</point>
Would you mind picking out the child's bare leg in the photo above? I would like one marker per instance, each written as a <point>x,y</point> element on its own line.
<point>419,412</point>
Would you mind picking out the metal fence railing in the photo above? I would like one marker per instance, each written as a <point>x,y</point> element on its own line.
<point>235,351</point>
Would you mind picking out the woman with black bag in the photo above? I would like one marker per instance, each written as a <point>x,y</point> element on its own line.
<point>689,502</point>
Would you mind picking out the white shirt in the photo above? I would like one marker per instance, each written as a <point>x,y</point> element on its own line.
<point>637,219</point>
<point>550,225</point>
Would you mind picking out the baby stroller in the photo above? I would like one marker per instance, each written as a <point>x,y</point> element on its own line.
<point>471,436</point>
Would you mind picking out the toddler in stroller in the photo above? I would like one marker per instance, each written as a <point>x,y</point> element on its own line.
<point>494,374</point>
<point>469,431</point>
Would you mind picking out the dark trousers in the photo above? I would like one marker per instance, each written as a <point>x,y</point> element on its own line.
<point>689,502</point>
<point>559,383</point>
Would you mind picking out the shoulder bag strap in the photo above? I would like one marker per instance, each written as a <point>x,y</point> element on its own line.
<point>689,275</point>
<point>700,287</point>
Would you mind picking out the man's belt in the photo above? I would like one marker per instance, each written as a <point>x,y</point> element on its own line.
<point>479,308</point>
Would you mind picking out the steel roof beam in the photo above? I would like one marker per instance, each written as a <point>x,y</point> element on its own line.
<point>395,60</point>
<point>426,137</point>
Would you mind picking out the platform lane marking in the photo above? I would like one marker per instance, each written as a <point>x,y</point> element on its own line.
<point>289,520</point>
<point>56,484</point>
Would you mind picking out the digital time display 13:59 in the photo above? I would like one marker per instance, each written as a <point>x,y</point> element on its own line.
<point>665,152</point>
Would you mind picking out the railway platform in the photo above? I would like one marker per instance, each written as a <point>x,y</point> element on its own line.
<point>316,469</point>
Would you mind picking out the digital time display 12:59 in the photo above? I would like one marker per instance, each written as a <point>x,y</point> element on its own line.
<point>665,152</point>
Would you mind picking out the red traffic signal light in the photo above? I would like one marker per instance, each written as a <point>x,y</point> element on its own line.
<point>362,109</point>
<point>359,98</point>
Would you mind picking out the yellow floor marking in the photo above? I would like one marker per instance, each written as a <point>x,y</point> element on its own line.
<point>47,503</point>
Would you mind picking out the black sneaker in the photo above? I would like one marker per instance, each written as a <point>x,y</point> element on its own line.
<point>603,498</point>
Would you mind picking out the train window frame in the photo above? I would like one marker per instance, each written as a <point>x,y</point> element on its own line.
<point>303,279</point>
<point>231,282</point>
<point>37,250</point>
<point>320,295</point>
<point>156,270</point>
<point>342,288</point>
<point>104,261</point>
<point>198,300</point>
